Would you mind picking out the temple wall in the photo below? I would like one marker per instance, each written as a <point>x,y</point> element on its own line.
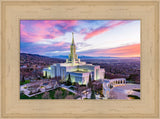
<point>63,73</point>
<point>53,71</point>
<point>58,71</point>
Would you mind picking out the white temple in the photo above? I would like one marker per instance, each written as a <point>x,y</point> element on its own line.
<point>79,71</point>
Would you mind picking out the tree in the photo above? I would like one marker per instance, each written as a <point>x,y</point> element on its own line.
<point>93,95</point>
<point>23,80</point>
<point>90,82</point>
<point>39,78</point>
<point>46,75</point>
<point>46,95</point>
<point>69,80</point>
<point>58,94</point>
<point>134,78</point>
<point>105,75</point>
<point>76,85</point>
<point>79,91</point>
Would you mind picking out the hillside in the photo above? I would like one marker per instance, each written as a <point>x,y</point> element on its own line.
<point>30,59</point>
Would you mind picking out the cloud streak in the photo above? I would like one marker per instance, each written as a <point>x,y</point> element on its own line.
<point>42,49</point>
<point>33,31</point>
<point>103,29</point>
<point>123,51</point>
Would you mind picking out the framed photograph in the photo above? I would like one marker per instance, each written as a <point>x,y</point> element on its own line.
<point>107,69</point>
<point>79,59</point>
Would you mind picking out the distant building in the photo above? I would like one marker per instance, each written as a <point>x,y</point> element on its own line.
<point>79,71</point>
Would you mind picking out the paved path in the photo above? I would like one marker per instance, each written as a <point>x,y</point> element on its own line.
<point>66,88</point>
<point>122,92</point>
<point>83,95</point>
<point>39,92</point>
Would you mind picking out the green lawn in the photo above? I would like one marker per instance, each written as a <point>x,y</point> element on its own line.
<point>23,96</point>
<point>26,81</point>
<point>72,88</point>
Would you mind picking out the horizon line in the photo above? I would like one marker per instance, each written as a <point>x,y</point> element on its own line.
<point>80,56</point>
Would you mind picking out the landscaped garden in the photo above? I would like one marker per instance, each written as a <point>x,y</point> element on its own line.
<point>58,93</point>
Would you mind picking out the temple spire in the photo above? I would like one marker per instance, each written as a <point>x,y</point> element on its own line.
<point>72,38</point>
<point>73,57</point>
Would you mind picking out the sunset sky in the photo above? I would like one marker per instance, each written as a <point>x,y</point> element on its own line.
<point>110,38</point>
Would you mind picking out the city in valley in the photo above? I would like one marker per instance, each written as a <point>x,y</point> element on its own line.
<point>79,77</point>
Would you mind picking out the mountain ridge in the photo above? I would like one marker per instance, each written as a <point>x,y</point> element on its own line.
<point>81,57</point>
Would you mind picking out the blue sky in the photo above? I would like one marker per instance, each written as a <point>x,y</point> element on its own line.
<point>115,38</point>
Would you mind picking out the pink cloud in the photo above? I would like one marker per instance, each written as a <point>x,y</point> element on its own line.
<point>47,29</point>
<point>124,51</point>
<point>59,43</point>
<point>28,37</point>
<point>95,32</point>
<point>40,32</point>
<point>100,30</point>
<point>70,24</point>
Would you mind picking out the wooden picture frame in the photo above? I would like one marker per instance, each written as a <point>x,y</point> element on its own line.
<point>12,11</point>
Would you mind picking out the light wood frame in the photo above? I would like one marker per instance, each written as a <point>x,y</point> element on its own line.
<point>13,11</point>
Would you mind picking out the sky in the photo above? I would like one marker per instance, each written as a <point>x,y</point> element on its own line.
<point>107,38</point>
